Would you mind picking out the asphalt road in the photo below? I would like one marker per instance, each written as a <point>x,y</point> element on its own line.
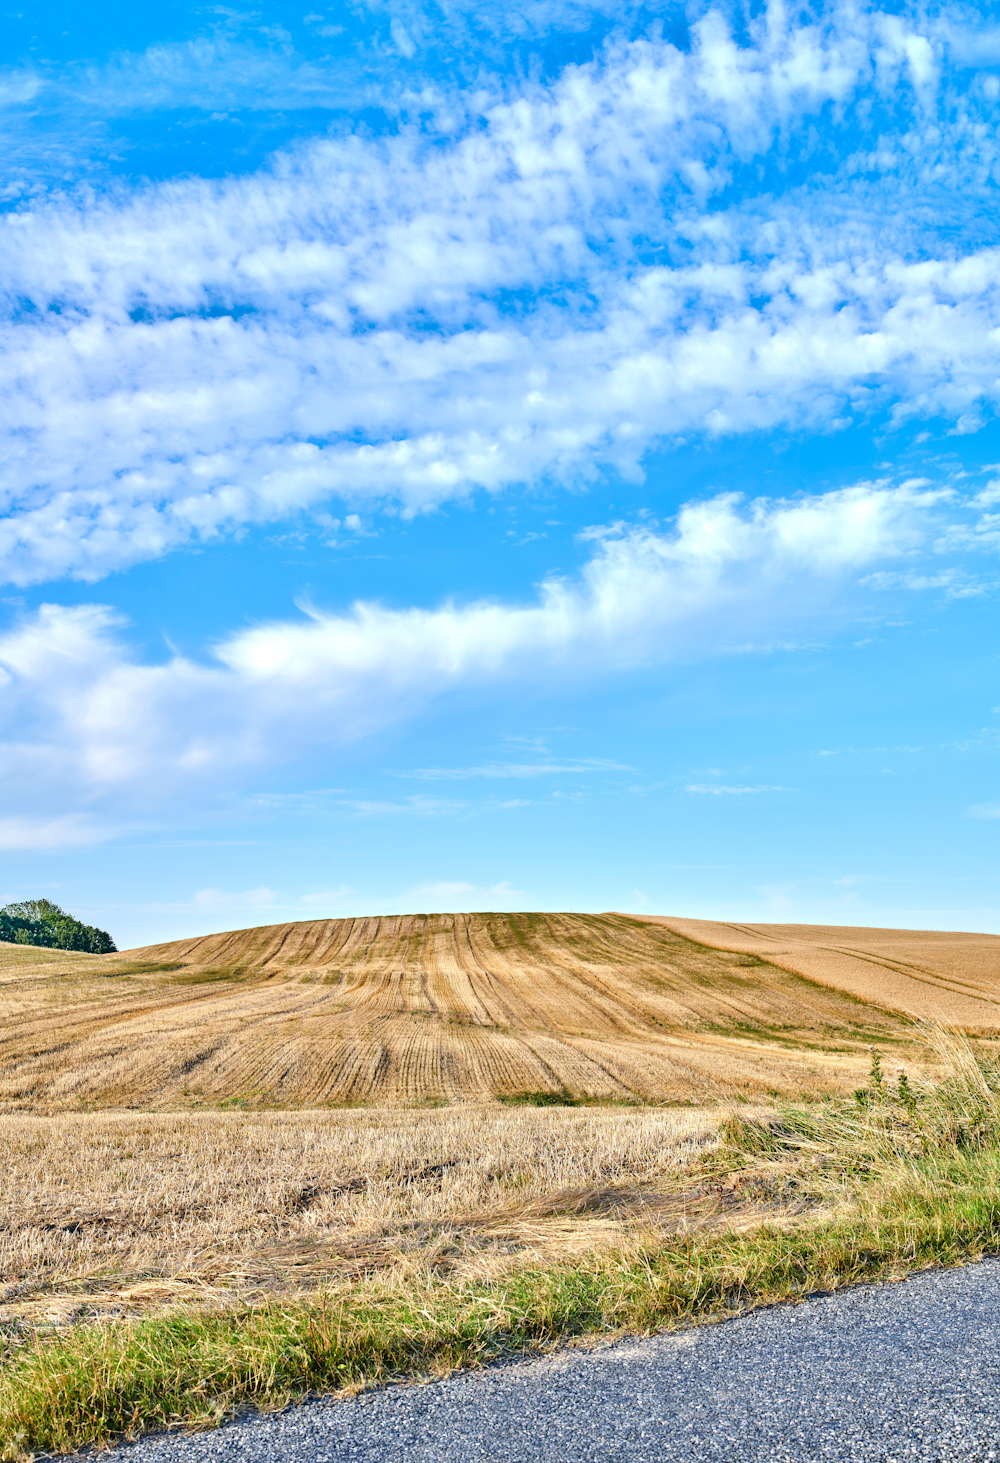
<point>895,1372</point>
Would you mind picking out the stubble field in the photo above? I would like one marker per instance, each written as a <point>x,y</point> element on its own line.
<point>114,1214</point>
<point>459,1008</point>
<point>244,1166</point>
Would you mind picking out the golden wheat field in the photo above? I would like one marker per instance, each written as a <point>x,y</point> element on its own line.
<point>106,1214</point>
<point>450,1009</point>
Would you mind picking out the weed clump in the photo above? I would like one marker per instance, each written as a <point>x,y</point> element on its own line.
<point>886,1123</point>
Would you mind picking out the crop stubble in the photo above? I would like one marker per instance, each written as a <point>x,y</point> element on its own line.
<point>431,1008</point>
<point>947,977</point>
<point>135,1212</point>
<point>110,1214</point>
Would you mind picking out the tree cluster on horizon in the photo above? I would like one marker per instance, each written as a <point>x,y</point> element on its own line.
<point>40,922</point>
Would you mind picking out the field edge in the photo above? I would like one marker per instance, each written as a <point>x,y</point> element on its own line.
<point>197,1369</point>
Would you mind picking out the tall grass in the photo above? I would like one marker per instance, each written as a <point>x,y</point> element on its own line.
<point>891,1123</point>
<point>900,1177</point>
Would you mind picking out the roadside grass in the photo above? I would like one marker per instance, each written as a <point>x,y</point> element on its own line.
<point>899,1178</point>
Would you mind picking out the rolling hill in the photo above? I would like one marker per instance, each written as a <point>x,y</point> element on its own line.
<point>458,1007</point>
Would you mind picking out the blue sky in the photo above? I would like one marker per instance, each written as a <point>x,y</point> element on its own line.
<point>540,456</point>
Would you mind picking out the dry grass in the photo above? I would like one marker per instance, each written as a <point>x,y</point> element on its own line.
<point>108,1214</point>
<point>451,1008</point>
<point>904,1176</point>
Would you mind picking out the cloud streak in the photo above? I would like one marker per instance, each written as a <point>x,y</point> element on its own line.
<point>86,727</point>
<point>721,790</point>
<point>577,765</point>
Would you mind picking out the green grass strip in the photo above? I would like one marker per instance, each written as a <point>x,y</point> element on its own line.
<point>118,1380</point>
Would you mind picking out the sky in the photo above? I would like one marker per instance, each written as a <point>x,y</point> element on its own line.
<point>540,456</point>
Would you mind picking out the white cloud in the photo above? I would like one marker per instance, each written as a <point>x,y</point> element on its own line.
<point>275,902</point>
<point>36,834</point>
<point>186,358</point>
<point>517,769</point>
<point>424,807</point>
<point>471,896</point>
<point>261,898</point>
<point>85,726</point>
<point>720,790</point>
<point>324,898</point>
<point>957,583</point>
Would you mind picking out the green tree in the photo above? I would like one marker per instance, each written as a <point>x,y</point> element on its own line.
<point>40,922</point>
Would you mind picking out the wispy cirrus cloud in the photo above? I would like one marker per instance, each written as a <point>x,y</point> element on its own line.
<point>956,582</point>
<point>450,893</point>
<point>418,806</point>
<point>247,903</point>
<point>989,811</point>
<point>581,765</point>
<point>31,832</point>
<point>717,789</point>
<point>533,282</point>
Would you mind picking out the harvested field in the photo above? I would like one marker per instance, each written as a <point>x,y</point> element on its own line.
<point>941,976</point>
<point>108,1214</point>
<point>426,1009</point>
<point>234,1260</point>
